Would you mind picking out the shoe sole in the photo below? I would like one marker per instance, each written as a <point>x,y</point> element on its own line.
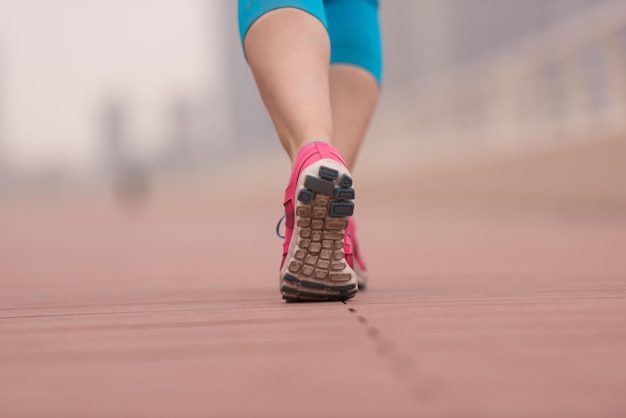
<point>315,268</point>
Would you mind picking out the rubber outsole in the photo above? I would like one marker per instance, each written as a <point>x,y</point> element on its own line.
<point>315,268</point>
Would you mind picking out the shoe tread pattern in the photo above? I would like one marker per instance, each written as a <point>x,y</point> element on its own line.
<point>317,269</point>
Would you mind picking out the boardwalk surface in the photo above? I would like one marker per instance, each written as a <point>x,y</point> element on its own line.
<point>171,309</point>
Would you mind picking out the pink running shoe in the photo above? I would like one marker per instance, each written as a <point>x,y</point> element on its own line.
<point>359,264</point>
<point>317,264</point>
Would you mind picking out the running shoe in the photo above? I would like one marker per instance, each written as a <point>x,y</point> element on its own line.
<point>317,259</point>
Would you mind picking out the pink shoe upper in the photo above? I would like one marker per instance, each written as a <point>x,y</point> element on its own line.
<point>307,155</point>
<point>351,233</point>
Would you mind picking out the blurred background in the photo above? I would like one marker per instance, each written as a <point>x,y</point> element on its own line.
<point>94,93</point>
<point>131,131</point>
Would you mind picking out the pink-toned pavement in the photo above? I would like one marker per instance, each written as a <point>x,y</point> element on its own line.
<point>170,308</point>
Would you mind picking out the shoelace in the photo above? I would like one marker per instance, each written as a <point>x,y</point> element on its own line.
<point>280,221</point>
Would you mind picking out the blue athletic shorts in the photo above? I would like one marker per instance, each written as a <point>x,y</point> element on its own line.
<point>353,27</point>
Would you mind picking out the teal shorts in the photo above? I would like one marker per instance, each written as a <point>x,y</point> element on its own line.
<point>353,27</point>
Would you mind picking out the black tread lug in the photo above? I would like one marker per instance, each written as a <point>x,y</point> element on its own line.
<point>319,185</point>
<point>341,208</point>
<point>346,193</point>
<point>328,173</point>
<point>346,181</point>
<point>291,278</point>
<point>344,287</point>
<point>305,196</point>
<point>287,289</point>
<point>313,295</point>
<point>313,284</point>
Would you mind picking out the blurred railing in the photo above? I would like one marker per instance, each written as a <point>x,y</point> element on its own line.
<point>566,82</point>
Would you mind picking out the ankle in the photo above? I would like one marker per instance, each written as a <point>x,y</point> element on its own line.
<point>295,151</point>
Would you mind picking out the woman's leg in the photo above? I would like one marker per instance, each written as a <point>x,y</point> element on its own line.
<point>288,50</point>
<point>355,77</point>
<point>353,97</point>
<point>356,70</point>
<point>287,46</point>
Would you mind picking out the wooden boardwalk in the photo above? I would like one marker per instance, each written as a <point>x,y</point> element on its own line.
<point>166,311</point>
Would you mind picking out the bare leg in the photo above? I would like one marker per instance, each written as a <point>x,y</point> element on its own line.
<point>289,52</point>
<point>353,94</point>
